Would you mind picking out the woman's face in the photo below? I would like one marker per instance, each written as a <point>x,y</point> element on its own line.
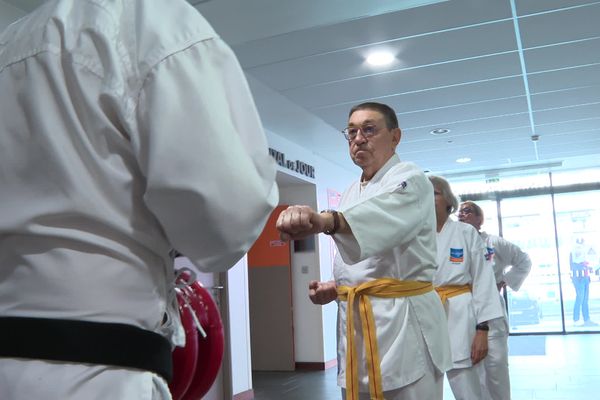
<point>441,206</point>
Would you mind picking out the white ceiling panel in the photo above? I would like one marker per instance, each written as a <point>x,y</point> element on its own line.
<point>357,32</point>
<point>479,125</point>
<point>565,148</point>
<point>561,26</point>
<point>449,143</point>
<point>567,113</point>
<point>569,126</point>
<point>414,52</point>
<point>567,78</point>
<point>459,66</point>
<point>525,7</point>
<point>404,81</point>
<point>468,112</point>
<point>441,97</point>
<point>563,56</point>
<point>566,98</point>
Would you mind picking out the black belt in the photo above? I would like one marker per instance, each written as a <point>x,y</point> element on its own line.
<point>87,342</point>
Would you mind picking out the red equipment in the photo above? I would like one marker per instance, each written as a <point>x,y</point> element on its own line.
<point>191,382</point>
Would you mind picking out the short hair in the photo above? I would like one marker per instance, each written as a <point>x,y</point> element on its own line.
<point>391,120</point>
<point>444,186</point>
<point>476,209</point>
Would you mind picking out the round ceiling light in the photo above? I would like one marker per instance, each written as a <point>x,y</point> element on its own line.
<point>380,59</point>
<point>440,131</point>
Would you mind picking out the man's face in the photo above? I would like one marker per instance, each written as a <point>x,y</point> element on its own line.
<point>371,153</point>
<point>467,214</point>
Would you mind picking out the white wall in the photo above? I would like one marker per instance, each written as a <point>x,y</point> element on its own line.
<point>314,326</point>
<point>308,336</point>
<point>239,325</point>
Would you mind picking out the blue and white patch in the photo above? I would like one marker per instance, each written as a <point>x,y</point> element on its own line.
<point>489,255</point>
<point>457,255</point>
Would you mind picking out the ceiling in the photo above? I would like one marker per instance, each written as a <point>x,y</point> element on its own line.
<point>494,72</point>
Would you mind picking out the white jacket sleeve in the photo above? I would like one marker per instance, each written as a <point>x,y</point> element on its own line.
<point>515,262</point>
<point>203,152</point>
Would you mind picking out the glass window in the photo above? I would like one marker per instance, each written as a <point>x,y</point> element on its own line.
<point>528,222</point>
<point>490,216</point>
<point>500,184</point>
<point>566,178</point>
<point>578,223</point>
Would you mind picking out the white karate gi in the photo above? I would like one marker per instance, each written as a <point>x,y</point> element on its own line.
<point>511,265</point>
<point>461,261</point>
<point>393,224</point>
<point>126,129</point>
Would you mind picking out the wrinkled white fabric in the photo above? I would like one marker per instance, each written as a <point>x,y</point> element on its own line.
<point>511,265</point>
<point>126,129</point>
<point>461,261</point>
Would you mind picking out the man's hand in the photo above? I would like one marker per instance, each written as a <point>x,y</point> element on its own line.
<point>322,292</point>
<point>298,222</point>
<point>479,347</point>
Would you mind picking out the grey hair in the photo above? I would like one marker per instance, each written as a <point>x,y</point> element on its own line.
<point>443,185</point>
<point>389,115</point>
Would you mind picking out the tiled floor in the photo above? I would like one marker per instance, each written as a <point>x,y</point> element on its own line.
<point>554,367</point>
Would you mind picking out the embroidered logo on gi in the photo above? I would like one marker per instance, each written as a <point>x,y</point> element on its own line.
<point>489,255</point>
<point>456,255</point>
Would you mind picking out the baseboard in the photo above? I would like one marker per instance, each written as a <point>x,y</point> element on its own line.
<point>316,366</point>
<point>247,395</point>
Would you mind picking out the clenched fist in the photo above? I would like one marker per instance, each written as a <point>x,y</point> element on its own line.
<point>298,222</point>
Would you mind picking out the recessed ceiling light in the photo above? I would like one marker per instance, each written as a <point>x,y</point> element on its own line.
<point>440,131</point>
<point>380,58</point>
<point>463,160</point>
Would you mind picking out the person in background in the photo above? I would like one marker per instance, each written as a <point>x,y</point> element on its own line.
<point>511,265</point>
<point>126,129</point>
<point>580,276</point>
<point>465,283</point>
<point>385,234</point>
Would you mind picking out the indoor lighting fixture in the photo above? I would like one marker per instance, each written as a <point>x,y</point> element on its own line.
<point>440,131</point>
<point>380,59</point>
<point>463,160</point>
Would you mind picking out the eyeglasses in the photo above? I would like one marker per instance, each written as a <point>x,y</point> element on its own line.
<point>465,210</point>
<point>367,131</point>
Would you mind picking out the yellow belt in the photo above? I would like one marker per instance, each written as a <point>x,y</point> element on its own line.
<point>445,292</point>
<point>385,287</point>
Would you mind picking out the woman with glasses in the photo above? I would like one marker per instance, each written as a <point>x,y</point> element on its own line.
<point>511,266</point>
<point>466,286</point>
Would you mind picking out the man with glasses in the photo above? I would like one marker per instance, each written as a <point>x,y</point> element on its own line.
<point>511,266</point>
<point>393,339</point>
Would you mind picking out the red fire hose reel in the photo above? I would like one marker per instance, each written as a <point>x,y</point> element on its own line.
<point>195,366</point>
